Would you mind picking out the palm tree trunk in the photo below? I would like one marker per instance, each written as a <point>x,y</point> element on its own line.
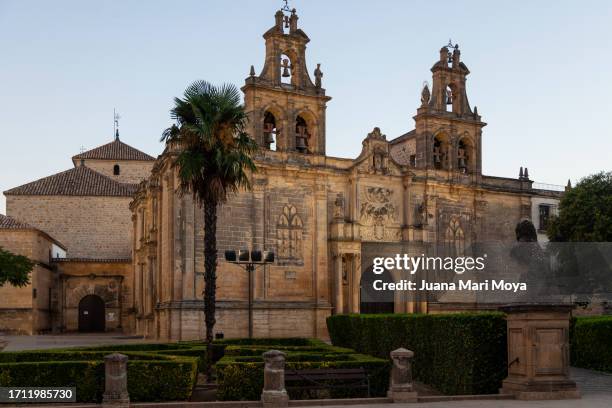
<point>210,277</point>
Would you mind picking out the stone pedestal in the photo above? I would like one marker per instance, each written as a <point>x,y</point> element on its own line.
<point>274,394</point>
<point>400,384</point>
<point>115,381</point>
<point>538,352</point>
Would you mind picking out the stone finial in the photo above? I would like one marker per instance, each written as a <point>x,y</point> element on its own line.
<point>425,95</point>
<point>252,72</point>
<point>400,386</point>
<point>444,55</point>
<point>115,381</point>
<point>278,18</point>
<point>274,393</point>
<point>377,134</point>
<point>293,22</point>
<point>521,173</point>
<point>526,173</point>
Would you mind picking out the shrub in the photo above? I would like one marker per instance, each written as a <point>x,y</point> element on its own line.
<point>151,377</point>
<point>241,378</point>
<point>458,353</point>
<point>86,376</point>
<point>591,342</point>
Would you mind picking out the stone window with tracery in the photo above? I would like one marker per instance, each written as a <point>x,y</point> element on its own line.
<point>454,238</point>
<point>289,234</point>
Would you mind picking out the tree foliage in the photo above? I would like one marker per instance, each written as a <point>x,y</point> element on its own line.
<point>14,269</point>
<point>214,159</point>
<point>585,212</point>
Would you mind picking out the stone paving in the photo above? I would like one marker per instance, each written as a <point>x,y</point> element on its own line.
<point>596,389</point>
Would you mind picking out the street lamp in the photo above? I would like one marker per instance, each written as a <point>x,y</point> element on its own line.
<point>249,261</point>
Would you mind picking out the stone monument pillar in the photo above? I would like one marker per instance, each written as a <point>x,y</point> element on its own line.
<point>538,352</point>
<point>400,385</point>
<point>115,381</point>
<point>274,394</point>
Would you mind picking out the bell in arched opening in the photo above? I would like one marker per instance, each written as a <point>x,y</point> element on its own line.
<point>270,131</point>
<point>301,135</point>
<point>462,156</point>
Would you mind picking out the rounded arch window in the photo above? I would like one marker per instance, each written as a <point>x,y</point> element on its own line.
<point>116,170</point>
<point>270,131</point>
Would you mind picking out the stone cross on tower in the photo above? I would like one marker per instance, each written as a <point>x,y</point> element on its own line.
<point>116,118</point>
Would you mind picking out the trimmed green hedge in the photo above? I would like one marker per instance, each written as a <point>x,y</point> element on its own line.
<point>457,353</point>
<point>591,342</point>
<point>243,380</point>
<point>240,371</point>
<point>151,377</point>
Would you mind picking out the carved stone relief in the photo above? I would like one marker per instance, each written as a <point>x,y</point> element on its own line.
<point>378,213</point>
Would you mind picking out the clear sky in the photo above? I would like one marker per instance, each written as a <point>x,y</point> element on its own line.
<point>540,73</point>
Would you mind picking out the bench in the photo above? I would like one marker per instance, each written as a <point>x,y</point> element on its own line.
<point>327,378</point>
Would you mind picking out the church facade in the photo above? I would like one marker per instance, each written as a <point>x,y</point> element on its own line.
<point>119,249</point>
<point>316,212</point>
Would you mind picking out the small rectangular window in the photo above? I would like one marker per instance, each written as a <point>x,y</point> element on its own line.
<point>544,216</point>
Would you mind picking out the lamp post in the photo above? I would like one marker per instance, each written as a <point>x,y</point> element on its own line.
<point>249,261</point>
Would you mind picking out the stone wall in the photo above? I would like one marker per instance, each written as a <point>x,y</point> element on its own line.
<point>271,320</point>
<point>26,309</point>
<point>90,227</point>
<point>131,171</point>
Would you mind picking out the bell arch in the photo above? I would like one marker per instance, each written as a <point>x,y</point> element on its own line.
<point>440,151</point>
<point>270,130</point>
<point>466,153</point>
<point>286,68</point>
<point>306,131</point>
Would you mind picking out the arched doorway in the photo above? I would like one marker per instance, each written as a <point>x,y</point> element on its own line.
<point>374,301</point>
<point>91,314</point>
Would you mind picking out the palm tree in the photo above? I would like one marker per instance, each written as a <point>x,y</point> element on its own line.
<point>215,158</point>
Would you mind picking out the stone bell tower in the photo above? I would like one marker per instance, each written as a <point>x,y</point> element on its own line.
<point>286,109</point>
<point>448,131</point>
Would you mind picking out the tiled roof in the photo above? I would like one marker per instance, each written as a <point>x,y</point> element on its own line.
<point>10,223</point>
<point>79,181</point>
<point>7,222</point>
<point>115,150</point>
